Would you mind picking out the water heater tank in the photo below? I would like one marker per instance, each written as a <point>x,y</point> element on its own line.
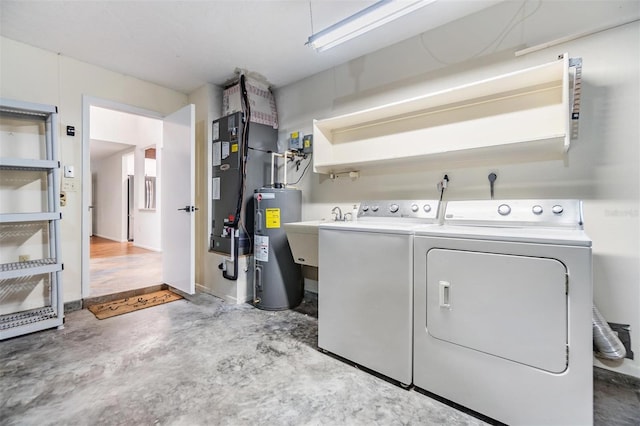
<point>277,278</point>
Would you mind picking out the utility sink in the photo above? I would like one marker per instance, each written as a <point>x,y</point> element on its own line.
<point>303,240</point>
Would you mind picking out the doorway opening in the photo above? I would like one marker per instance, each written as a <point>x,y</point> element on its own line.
<point>119,267</point>
<point>123,243</point>
<point>173,218</point>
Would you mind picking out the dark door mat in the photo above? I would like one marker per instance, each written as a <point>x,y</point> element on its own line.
<point>130,304</point>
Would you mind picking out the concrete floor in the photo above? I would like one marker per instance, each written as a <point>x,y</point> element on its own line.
<point>204,361</point>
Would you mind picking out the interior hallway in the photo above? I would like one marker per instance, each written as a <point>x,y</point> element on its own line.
<point>120,267</point>
<point>203,361</point>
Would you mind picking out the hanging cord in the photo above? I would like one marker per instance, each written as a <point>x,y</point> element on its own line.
<point>303,171</point>
<point>244,144</point>
<point>245,153</point>
<point>267,151</point>
<point>243,150</point>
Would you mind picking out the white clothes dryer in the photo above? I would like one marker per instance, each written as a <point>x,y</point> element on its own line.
<point>365,285</point>
<point>502,310</point>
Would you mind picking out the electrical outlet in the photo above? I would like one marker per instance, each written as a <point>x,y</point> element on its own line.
<point>24,258</point>
<point>69,185</point>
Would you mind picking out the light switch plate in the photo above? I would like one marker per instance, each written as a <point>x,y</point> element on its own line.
<point>69,171</point>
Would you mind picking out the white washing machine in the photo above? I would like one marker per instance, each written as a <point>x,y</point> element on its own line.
<point>365,285</point>
<point>502,308</point>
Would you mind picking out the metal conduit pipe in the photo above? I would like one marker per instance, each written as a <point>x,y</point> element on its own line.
<point>607,343</point>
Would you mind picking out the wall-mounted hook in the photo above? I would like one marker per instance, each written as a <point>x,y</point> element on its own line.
<point>492,178</point>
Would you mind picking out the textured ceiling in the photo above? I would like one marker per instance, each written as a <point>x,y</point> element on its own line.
<point>185,44</point>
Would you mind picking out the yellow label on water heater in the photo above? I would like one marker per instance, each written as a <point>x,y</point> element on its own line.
<point>234,147</point>
<point>272,218</point>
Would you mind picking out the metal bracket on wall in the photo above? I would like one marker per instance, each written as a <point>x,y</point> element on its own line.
<point>353,175</point>
<point>576,64</point>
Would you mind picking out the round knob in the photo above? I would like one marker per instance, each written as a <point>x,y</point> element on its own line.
<point>365,208</point>
<point>426,208</point>
<point>374,208</point>
<point>557,209</point>
<point>414,208</point>
<point>393,208</point>
<point>504,209</point>
<point>537,209</point>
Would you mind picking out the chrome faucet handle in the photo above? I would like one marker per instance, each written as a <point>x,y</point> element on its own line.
<point>338,214</point>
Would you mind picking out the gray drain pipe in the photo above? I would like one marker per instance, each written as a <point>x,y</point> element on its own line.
<point>607,343</point>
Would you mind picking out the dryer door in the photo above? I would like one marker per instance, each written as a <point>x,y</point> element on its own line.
<point>512,307</point>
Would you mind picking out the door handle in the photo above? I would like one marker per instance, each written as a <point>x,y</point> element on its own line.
<point>444,287</point>
<point>189,209</point>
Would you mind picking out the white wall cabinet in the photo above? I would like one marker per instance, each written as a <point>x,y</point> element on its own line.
<point>521,116</point>
<point>31,297</point>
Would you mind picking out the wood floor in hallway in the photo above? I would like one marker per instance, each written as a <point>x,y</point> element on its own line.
<point>103,247</point>
<point>118,267</point>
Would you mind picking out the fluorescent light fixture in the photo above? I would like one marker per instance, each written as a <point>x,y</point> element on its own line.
<point>367,19</point>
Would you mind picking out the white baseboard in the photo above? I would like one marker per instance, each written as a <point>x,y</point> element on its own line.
<point>109,238</point>
<point>147,247</point>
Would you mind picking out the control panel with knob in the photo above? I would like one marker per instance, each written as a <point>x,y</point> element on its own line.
<point>504,209</point>
<point>415,209</point>
<point>515,213</point>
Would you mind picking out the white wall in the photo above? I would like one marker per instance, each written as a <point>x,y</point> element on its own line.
<point>601,167</point>
<point>110,197</point>
<point>147,222</point>
<point>142,132</point>
<point>109,189</point>
<point>36,75</point>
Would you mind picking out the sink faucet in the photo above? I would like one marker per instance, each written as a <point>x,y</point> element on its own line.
<point>337,214</point>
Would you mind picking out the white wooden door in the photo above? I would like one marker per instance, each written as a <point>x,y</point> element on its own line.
<point>178,199</point>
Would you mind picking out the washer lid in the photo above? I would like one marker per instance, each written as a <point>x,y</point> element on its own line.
<point>392,227</point>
